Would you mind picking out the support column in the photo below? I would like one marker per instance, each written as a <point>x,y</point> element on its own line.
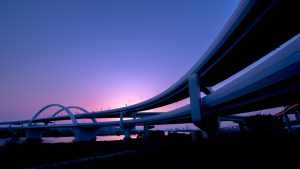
<point>198,134</point>
<point>297,115</point>
<point>194,136</point>
<point>14,136</point>
<point>126,128</point>
<point>209,123</point>
<point>127,133</point>
<point>134,115</point>
<point>34,134</point>
<point>85,134</point>
<point>194,91</point>
<point>146,132</point>
<point>242,127</point>
<point>121,120</point>
<point>287,122</point>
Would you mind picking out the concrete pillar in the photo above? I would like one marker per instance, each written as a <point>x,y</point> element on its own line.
<point>85,134</point>
<point>297,115</point>
<point>210,124</point>
<point>287,122</point>
<point>198,135</point>
<point>127,132</point>
<point>34,134</point>
<point>14,133</point>
<point>204,134</point>
<point>14,136</point>
<point>194,92</point>
<point>242,127</point>
<point>194,136</point>
<point>121,120</point>
<point>134,115</point>
<point>146,132</point>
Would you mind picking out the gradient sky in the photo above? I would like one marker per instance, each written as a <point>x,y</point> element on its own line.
<point>99,54</point>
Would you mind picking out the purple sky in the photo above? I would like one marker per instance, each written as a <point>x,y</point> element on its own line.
<point>94,54</point>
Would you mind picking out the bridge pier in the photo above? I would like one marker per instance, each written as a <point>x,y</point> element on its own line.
<point>34,134</point>
<point>287,122</point>
<point>127,133</point>
<point>146,132</point>
<point>126,128</point>
<point>85,134</point>
<point>297,115</point>
<point>209,123</point>
<point>194,136</point>
<point>210,126</point>
<point>241,127</point>
<point>194,92</point>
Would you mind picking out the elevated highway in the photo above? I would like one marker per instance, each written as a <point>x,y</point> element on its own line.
<point>259,45</point>
<point>255,29</point>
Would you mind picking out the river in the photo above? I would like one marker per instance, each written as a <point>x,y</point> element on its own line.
<point>66,139</point>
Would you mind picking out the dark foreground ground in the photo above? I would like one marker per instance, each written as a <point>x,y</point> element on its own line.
<point>230,151</point>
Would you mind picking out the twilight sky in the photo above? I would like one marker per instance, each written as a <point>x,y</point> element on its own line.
<point>99,54</point>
